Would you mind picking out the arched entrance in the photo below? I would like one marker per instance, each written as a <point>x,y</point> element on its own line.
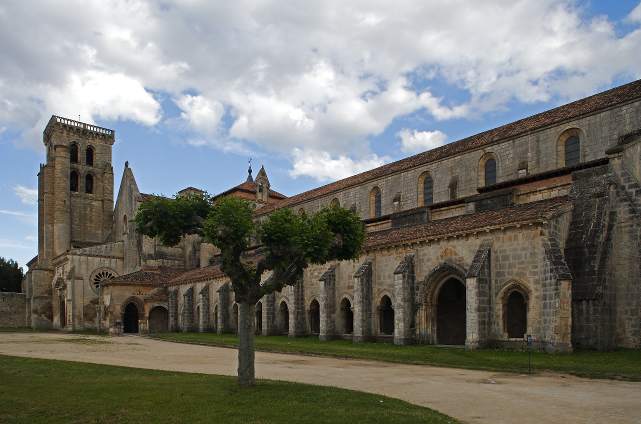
<point>516,315</point>
<point>450,313</point>
<point>130,318</point>
<point>386,316</point>
<point>158,320</point>
<point>314,317</point>
<point>259,318</point>
<point>347,317</point>
<point>283,318</point>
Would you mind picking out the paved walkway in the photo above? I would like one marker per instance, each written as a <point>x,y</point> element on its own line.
<point>471,396</point>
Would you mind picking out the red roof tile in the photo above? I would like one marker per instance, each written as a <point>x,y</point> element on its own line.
<point>149,276</point>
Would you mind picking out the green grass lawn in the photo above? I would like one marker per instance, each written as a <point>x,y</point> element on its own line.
<point>622,364</point>
<point>46,391</point>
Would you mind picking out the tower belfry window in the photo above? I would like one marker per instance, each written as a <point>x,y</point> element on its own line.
<point>73,181</point>
<point>89,156</point>
<point>89,183</point>
<point>73,153</point>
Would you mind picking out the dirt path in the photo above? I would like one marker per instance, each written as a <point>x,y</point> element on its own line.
<point>471,396</point>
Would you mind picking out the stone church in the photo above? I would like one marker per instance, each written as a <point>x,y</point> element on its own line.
<point>531,228</point>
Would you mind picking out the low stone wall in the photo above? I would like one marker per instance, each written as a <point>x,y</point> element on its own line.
<point>12,310</point>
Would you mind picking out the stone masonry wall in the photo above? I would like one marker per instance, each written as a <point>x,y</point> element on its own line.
<point>12,310</point>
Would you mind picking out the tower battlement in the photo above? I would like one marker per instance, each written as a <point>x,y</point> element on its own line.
<point>76,126</point>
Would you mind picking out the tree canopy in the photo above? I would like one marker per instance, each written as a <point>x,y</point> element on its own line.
<point>10,276</point>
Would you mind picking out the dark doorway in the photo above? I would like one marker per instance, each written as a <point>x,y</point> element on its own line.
<point>314,317</point>
<point>259,318</point>
<point>347,317</point>
<point>386,316</point>
<point>283,318</point>
<point>130,320</point>
<point>158,320</point>
<point>450,309</point>
<point>516,315</point>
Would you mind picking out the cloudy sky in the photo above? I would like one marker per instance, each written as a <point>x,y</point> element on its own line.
<point>315,91</point>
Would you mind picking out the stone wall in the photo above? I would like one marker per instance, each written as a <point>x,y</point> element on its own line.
<point>13,310</point>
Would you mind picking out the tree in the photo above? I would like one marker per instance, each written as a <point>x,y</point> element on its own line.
<point>10,276</point>
<point>284,244</point>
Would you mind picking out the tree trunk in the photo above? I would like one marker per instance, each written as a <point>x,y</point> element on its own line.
<point>246,373</point>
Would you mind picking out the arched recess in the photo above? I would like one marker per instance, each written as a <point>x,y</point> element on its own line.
<point>453,188</point>
<point>446,275</point>
<point>258,322</point>
<point>425,189</point>
<point>131,311</point>
<point>283,317</point>
<point>301,211</point>
<point>386,316</point>
<point>515,300</point>
<point>314,317</point>
<point>158,319</point>
<point>569,148</point>
<point>335,203</point>
<point>89,156</point>
<point>73,153</point>
<point>89,184</point>
<point>346,316</point>
<point>488,170</point>
<point>73,181</point>
<point>375,203</point>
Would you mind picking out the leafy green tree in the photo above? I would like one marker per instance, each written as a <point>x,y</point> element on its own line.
<point>283,245</point>
<point>10,276</point>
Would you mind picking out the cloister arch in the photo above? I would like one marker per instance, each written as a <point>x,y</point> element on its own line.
<point>386,316</point>
<point>314,317</point>
<point>283,317</point>
<point>346,317</point>
<point>515,301</point>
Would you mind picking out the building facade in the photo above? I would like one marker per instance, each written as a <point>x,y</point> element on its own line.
<point>529,228</point>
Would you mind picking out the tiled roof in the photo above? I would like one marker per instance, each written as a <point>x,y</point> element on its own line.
<point>196,275</point>
<point>566,112</point>
<point>250,187</point>
<point>525,213</point>
<point>149,276</point>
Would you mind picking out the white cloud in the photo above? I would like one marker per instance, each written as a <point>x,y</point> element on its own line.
<point>323,167</point>
<point>201,113</point>
<point>17,213</point>
<point>323,76</point>
<point>28,196</point>
<point>413,141</point>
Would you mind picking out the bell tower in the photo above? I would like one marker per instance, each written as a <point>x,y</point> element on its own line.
<point>75,187</point>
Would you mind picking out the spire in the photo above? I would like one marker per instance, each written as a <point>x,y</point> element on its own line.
<point>250,179</point>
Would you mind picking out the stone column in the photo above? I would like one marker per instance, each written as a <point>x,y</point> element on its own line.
<point>404,296</point>
<point>328,304</point>
<point>363,302</point>
<point>477,298</point>
<point>203,319</point>
<point>173,309</point>
<point>269,315</point>
<point>223,309</point>
<point>188,310</point>
<point>297,321</point>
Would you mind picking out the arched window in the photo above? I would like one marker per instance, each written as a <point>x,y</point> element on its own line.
<point>375,203</point>
<point>572,151</point>
<point>73,181</point>
<point>427,190</point>
<point>453,188</point>
<point>490,172</point>
<point>89,156</point>
<point>89,183</point>
<point>335,203</point>
<point>73,153</point>
<point>301,211</point>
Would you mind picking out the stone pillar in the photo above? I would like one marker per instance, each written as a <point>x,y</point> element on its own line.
<point>188,310</point>
<point>173,309</point>
<point>477,297</point>
<point>297,317</point>
<point>363,302</point>
<point>223,309</point>
<point>269,315</point>
<point>563,330</point>
<point>328,304</point>
<point>203,319</point>
<point>404,296</point>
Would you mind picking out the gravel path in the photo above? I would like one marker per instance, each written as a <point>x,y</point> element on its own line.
<point>471,396</point>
